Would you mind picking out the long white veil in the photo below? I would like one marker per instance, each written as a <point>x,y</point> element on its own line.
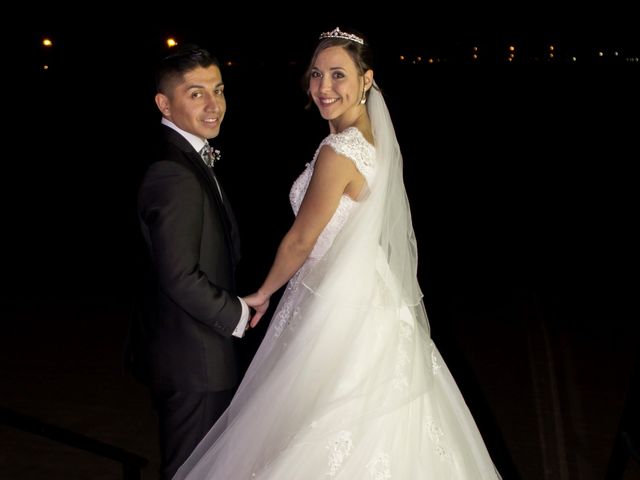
<point>379,238</point>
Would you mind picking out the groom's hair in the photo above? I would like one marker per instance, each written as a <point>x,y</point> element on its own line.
<point>181,60</point>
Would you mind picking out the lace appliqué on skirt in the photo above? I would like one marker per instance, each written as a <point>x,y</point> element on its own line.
<point>379,467</point>
<point>437,436</point>
<point>339,450</point>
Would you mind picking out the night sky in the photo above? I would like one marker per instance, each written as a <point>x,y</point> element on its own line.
<point>494,151</point>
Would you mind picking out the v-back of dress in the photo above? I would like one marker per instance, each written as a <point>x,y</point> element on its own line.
<point>352,144</point>
<point>343,390</point>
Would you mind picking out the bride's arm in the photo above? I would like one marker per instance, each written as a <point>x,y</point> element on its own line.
<point>332,175</point>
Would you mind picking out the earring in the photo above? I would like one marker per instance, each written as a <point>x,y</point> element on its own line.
<point>363,100</point>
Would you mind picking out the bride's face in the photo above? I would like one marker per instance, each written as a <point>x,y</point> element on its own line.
<point>335,84</point>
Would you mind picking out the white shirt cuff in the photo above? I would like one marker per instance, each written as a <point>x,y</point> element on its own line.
<point>244,319</point>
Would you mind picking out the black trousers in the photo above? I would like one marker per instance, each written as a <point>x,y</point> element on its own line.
<point>184,419</point>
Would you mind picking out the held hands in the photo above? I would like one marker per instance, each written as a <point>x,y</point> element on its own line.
<point>260,303</point>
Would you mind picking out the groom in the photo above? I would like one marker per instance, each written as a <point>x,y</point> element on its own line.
<point>181,345</point>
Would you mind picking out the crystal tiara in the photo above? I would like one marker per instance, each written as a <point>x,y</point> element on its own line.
<point>337,33</point>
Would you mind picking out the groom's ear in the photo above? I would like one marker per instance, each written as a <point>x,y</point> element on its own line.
<point>162,102</point>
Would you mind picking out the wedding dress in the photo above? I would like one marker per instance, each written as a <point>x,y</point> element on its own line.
<point>347,383</point>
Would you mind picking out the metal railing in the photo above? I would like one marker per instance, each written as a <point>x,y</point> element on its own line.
<point>132,464</point>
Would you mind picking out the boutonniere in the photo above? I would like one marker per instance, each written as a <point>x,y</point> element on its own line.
<point>215,155</point>
<point>210,155</point>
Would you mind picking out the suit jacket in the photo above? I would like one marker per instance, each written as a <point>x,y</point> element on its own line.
<point>181,339</point>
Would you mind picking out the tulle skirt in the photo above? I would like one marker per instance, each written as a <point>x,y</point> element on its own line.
<point>344,391</point>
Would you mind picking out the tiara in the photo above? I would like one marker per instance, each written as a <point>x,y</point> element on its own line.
<point>337,33</point>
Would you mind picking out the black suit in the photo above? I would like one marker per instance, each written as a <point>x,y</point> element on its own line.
<point>182,343</point>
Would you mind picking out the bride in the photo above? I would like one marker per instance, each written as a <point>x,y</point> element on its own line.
<point>347,383</point>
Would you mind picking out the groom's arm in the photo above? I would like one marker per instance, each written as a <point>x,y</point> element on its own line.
<point>172,209</point>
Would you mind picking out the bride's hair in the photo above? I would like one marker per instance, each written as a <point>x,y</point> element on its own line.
<point>360,53</point>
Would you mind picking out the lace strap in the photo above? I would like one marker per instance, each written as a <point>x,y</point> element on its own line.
<point>352,145</point>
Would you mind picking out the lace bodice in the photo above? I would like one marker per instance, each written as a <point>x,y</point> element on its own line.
<point>353,145</point>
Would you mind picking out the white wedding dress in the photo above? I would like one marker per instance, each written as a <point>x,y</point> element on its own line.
<point>347,383</point>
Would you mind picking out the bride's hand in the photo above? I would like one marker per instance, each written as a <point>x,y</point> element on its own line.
<point>260,303</point>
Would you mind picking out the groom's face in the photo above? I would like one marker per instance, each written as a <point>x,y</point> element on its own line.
<point>196,104</point>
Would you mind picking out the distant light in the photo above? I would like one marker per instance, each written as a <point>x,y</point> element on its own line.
<point>45,67</point>
<point>47,42</point>
<point>601,54</point>
<point>551,55</point>
<point>229,63</point>
<point>615,54</point>
<point>402,58</point>
<point>511,48</point>
<point>552,48</point>
<point>475,49</point>
<point>430,60</point>
<point>418,58</point>
<point>171,42</point>
<point>475,57</point>
<point>574,59</point>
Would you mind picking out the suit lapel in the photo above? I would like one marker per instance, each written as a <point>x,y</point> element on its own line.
<point>209,181</point>
<point>216,193</point>
<point>231,219</point>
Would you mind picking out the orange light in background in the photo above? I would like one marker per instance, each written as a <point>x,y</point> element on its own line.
<point>171,42</point>
<point>47,42</point>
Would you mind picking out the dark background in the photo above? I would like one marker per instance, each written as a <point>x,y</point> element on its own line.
<point>517,168</point>
<point>519,176</point>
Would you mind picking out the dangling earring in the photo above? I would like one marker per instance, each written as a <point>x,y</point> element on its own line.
<point>363,100</point>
